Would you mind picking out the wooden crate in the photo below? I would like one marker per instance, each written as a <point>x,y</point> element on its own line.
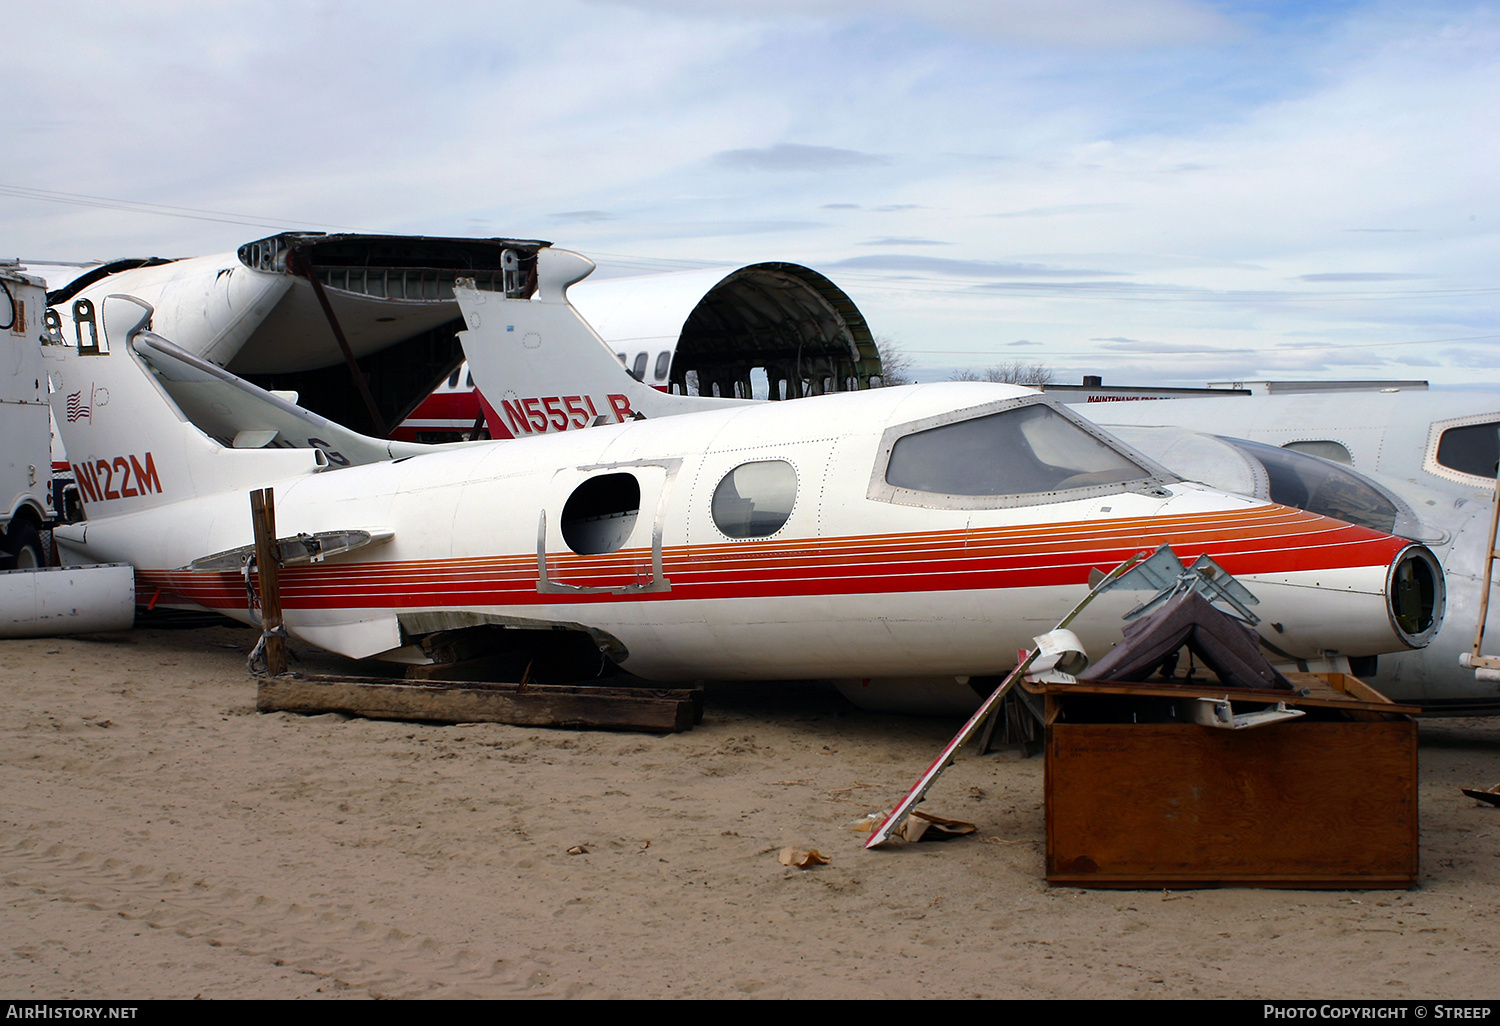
<point>1329,800</point>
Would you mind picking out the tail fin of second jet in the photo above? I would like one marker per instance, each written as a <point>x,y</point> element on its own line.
<point>544,369</point>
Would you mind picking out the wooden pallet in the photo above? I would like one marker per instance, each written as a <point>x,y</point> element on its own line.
<point>572,706</point>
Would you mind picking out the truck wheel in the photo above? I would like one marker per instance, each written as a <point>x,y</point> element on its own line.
<point>26,546</point>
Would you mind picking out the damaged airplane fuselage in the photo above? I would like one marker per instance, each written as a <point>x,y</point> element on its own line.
<point>918,531</point>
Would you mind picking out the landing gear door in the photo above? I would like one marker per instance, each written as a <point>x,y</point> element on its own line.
<point>600,529</point>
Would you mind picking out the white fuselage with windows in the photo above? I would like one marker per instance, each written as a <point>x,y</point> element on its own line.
<point>773,542</point>
<point>923,530</point>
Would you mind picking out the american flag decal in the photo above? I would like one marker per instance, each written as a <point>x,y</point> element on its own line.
<point>76,408</point>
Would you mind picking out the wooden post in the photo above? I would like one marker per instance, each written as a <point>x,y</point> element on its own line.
<point>267,565</point>
<point>1489,570</point>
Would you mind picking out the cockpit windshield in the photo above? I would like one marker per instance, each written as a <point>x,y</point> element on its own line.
<point>1023,451</point>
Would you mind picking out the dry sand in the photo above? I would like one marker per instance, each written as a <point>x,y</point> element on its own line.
<point>159,838</point>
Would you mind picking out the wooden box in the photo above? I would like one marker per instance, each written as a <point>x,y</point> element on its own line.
<point>1328,800</point>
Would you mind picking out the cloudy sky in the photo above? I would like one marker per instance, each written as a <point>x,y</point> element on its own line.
<point>1159,191</point>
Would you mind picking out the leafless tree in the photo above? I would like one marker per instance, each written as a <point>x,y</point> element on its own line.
<point>895,361</point>
<point>1016,372</point>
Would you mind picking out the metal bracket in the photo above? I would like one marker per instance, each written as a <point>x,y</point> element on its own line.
<point>1166,573</point>
<point>1218,712</point>
<point>83,313</point>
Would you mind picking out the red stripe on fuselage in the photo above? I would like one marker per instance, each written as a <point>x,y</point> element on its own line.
<point>1261,540</point>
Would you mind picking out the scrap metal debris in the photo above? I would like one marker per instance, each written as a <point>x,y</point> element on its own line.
<point>1228,648</point>
<point>1490,797</point>
<point>923,826</point>
<point>897,819</point>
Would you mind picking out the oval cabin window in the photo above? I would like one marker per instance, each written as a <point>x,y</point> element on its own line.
<point>755,499</point>
<point>1323,449</point>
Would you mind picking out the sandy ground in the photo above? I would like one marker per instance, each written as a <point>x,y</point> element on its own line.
<point>159,838</point>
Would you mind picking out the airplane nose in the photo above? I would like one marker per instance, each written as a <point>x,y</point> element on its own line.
<point>1415,595</point>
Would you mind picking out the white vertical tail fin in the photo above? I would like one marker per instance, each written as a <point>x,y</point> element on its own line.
<point>544,369</point>
<point>128,443</point>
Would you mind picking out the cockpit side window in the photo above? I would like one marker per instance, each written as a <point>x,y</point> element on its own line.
<point>1471,449</point>
<point>1029,450</point>
<point>1324,449</point>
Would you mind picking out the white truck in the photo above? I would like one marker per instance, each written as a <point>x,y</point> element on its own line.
<point>37,600</point>
<point>27,500</point>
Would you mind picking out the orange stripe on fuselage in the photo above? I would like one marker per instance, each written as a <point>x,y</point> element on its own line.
<point>1259,540</point>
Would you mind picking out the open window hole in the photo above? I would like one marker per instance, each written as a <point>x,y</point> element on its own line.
<point>600,514</point>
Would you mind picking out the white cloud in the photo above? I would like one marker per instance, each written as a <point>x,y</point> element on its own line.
<point>797,157</point>
<point>1240,178</point>
<point>1088,24</point>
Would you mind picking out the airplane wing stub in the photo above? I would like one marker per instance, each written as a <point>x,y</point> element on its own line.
<point>300,548</point>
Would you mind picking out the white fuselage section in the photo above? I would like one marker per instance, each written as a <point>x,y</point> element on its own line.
<point>1397,441</point>
<point>1406,435</point>
<point>849,586</point>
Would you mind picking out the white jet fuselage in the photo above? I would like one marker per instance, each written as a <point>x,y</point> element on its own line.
<point>860,579</point>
